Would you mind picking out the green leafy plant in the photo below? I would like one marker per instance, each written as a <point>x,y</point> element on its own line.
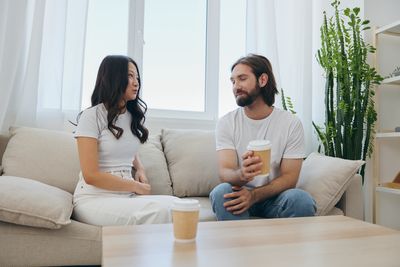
<point>350,115</point>
<point>287,103</point>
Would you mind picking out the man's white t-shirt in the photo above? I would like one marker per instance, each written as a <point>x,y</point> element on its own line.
<point>283,129</point>
<point>113,154</point>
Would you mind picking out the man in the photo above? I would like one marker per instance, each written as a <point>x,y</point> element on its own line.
<point>238,197</point>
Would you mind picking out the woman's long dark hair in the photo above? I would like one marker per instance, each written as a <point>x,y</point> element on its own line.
<point>111,84</point>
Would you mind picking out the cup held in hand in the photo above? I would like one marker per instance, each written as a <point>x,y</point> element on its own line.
<point>262,149</point>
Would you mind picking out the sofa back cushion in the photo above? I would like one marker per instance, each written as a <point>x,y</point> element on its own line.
<point>192,161</point>
<point>155,165</point>
<point>47,156</point>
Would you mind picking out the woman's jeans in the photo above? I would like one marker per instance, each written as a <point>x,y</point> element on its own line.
<point>290,203</point>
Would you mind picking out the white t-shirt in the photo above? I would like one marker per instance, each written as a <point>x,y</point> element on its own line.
<point>113,154</point>
<point>283,129</point>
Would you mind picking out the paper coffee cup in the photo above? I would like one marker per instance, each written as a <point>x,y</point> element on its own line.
<point>262,149</point>
<point>185,216</point>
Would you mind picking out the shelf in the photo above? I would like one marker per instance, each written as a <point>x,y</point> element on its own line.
<point>392,28</point>
<point>385,189</point>
<point>391,185</point>
<point>388,135</point>
<point>392,80</point>
<point>386,196</point>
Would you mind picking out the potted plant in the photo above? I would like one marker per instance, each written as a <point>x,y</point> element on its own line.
<point>350,116</point>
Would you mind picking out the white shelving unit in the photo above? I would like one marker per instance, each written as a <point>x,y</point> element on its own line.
<point>392,80</point>
<point>388,135</point>
<point>386,200</point>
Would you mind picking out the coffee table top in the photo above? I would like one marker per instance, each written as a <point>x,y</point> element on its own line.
<point>312,241</point>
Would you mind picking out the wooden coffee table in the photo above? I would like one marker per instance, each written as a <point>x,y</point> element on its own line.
<point>313,241</point>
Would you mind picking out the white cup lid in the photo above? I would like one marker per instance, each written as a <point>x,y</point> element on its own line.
<point>258,145</point>
<point>186,204</point>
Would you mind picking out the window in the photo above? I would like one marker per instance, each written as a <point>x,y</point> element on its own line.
<point>184,50</point>
<point>174,56</point>
<point>106,34</point>
<point>232,46</point>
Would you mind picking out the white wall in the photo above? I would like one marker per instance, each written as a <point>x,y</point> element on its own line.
<point>381,13</point>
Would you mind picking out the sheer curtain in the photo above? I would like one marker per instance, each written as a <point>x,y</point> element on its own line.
<point>41,52</point>
<point>287,32</point>
<point>20,45</point>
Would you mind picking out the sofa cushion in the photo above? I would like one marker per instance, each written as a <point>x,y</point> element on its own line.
<point>28,202</point>
<point>153,159</point>
<point>50,157</point>
<point>192,161</point>
<point>206,213</point>
<point>326,179</point>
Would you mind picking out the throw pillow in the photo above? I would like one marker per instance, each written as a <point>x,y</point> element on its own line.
<point>192,161</point>
<point>326,179</point>
<point>32,203</point>
<point>47,156</point>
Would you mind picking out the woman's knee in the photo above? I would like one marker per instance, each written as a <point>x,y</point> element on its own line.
<point>164,214</point>
<point>153,208</point>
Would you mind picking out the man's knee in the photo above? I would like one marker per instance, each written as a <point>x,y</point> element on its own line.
<point>217,202</point>
<point>301,202</point>
<point>220,190</point>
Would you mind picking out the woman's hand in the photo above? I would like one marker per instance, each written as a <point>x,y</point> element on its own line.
<point>140,176</point>
<point>142,188</point>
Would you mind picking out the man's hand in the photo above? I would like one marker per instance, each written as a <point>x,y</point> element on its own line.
<point>251,166</point>
<point>242,200</point>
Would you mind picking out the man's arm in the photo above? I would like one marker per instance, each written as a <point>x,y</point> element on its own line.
<point>231,172</point>
<point>243,199</point>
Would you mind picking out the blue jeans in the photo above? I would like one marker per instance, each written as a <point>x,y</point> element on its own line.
<point>290,203</point>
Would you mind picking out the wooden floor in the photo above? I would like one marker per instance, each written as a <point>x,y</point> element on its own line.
<point>314,241</point>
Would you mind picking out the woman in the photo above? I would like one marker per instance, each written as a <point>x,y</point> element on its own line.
<point>109,135</point>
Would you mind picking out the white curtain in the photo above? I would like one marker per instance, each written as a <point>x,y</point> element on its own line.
<point>20,44</point>
<point>288,33</point>
<point>41,51</point>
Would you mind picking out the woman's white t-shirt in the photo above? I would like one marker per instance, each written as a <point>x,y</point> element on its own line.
<point>113,154</point>
<point>283,129</point>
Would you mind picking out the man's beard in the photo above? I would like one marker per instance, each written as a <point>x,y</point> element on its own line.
<point>249,98</point>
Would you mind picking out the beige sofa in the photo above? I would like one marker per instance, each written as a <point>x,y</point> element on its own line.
<point>36,218</point>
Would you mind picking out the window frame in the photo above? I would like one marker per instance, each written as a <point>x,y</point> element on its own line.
<point>135,50</point>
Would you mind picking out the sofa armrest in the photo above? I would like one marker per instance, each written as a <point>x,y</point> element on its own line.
<point>351,202</point>
<point>3,143</point>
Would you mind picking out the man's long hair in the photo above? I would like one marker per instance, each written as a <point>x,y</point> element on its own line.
<point>111,84</point>
<point>259,65</point>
